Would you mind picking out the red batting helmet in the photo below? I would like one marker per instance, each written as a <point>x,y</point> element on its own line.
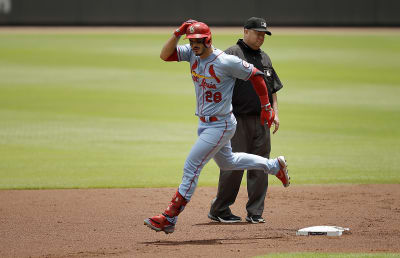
<point>199,30</point>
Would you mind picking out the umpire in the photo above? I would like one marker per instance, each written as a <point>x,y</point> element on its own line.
<point>250,136</point>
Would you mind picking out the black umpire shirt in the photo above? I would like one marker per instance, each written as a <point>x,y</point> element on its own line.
<point>245,100</point>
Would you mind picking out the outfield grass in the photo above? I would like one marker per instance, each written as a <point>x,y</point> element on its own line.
<point>102,110</point>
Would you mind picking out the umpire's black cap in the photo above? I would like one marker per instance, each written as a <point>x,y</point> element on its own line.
<point>258,24</point>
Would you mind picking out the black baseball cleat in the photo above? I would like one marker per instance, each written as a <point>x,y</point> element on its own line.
<point>226,219</point>
<point>255,219</point>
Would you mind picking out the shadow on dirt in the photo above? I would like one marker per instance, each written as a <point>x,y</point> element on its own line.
<point>276,230</point>
<point>216,241</point>
<point>221,224</point>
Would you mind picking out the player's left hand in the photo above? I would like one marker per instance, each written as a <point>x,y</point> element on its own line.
<point>267,115</point>
<point>276,123</point>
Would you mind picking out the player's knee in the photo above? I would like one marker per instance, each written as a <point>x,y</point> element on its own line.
<point>226,164</point>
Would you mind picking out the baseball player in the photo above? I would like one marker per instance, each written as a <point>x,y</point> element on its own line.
<point>213,73</point>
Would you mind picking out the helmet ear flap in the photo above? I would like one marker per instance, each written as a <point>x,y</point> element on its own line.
<point>208,41</point>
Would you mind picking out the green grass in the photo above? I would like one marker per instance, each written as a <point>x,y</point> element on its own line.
<point>102,110</point>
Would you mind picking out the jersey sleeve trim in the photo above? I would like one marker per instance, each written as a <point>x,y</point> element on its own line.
<point>178,54</point>
<point>252,72</point>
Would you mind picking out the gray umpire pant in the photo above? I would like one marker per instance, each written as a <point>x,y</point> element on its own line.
<point>250,137</point>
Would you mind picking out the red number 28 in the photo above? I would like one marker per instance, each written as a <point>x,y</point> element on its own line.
<point>216,97</point>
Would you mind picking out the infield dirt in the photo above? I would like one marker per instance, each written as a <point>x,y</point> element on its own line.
<point>109,222</point>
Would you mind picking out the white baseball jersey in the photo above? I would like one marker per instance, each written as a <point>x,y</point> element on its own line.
<point>214,78</point>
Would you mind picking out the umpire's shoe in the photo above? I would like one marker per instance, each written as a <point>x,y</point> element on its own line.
<point>255,219</point>
<point>283,173</point>
<point>160,223</point>
<point>226,219</point>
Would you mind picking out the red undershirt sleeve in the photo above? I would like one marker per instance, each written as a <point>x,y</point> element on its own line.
<point>173,57</point>
<point>259,86</point>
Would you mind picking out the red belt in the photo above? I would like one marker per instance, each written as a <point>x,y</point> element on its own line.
<point>210,119</point>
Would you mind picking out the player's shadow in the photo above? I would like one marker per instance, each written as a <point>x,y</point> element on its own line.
<point>216,241</point>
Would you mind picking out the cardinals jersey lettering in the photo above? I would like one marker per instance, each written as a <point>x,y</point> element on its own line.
<point>214,78</point>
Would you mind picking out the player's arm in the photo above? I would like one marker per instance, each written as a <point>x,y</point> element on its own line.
<point>169,52</point>
<point>267,113</point>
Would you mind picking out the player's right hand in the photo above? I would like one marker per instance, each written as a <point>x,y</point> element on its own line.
<point>267,115</point>
<point>182,29</point>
